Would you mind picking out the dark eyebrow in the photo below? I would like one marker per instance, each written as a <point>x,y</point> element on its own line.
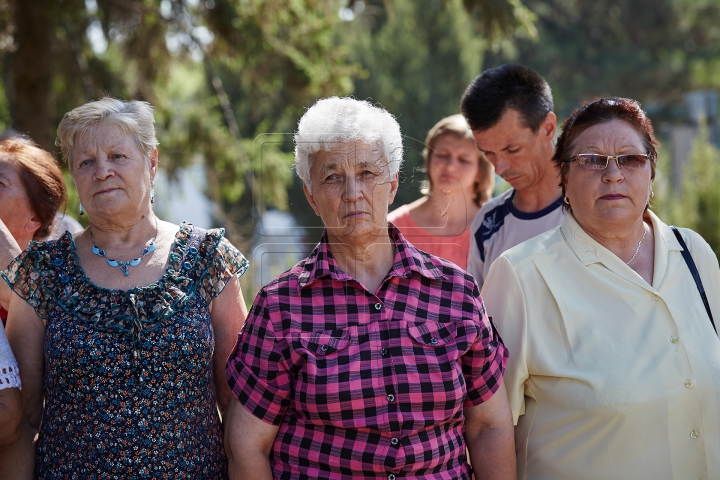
<point>623,147</point>
<point>512,145</point>
<point>509,147</point>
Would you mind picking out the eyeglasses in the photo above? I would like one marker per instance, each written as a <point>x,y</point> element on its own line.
<point>596,161</point>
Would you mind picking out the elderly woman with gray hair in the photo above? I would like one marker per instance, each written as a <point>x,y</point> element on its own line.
<point>369,358</point>
<point>121,330</point>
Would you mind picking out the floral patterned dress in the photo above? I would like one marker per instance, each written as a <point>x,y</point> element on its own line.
<point>128,382</point>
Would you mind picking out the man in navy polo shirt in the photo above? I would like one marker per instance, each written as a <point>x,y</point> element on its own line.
<point>510,111</point>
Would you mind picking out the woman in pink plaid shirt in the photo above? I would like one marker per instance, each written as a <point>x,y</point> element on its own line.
<point>370,358</point>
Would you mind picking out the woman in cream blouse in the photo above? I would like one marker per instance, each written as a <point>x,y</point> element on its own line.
<point>614,368</point>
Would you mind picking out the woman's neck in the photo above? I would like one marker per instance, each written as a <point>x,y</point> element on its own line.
<point>128,234</point>
<point>23,241</point>
<point>446,214</point>
<point>621,239</point>
<point>366,261</point>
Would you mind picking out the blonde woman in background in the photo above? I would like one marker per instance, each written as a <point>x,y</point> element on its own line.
<point>460,180</point>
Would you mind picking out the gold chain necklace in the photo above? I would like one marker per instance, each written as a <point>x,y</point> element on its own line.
<point>638,247</point>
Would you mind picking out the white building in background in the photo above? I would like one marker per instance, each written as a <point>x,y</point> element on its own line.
<point>277,243</point>
<point>183,197</point>
<point>277,246</point>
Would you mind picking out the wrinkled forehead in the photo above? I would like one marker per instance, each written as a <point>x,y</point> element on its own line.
<point>104,135</point>
<point>102,132</point>
<point>349,155</point>
<point>608,137</point>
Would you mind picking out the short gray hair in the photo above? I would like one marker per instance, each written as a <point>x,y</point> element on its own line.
<point>134,117</point>
<point>338,120</point>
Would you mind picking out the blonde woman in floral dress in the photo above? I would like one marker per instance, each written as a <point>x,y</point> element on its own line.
<point>121,332</point>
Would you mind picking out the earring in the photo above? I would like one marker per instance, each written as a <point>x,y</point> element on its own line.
<point>567,201</point>
<point>82,210</point>
<point>152,191</point>
<point>652,194</point>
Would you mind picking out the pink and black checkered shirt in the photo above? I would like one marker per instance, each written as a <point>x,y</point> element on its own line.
<point>368,384</point>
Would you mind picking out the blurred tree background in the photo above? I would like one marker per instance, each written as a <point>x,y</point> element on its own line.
<point>230,78</point>
<point>220,73</point>
<point>655,51</point>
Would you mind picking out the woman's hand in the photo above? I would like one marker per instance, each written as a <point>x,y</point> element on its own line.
<point>490,438</point>
<point>26,334</point>
<point>248,442</point>
<point>228,315</point>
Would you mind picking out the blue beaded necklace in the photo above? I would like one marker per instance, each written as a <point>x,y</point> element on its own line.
<point>124,264</point>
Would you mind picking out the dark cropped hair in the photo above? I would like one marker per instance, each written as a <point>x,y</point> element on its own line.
<point>495,91</point>
<point>40,176</point>
<point>602,110</point>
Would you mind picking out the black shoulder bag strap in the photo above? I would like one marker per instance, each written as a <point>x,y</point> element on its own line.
<point>694,271</point>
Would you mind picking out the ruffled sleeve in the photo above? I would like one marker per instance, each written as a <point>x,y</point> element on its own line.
<point>225,262</point>
<point>32,277</point>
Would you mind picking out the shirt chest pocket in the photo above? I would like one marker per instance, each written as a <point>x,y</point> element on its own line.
<point>433,334</point>
<point>323,344</point>
<point>432,367</point>
<point>438,346</point>
<point>320,356</point>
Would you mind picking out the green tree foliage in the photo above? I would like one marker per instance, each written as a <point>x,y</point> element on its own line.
<point>651,50</point>
<point>419,57</point>
<point>498,18</point>
<point>697,205</point>
<point>219,72</point>
<point>416,60</point>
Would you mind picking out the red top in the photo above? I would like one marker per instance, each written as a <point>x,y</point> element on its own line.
<point>454,248</point>
<point>3,315</point>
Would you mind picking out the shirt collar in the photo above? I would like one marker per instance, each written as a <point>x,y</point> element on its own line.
<point>589,251</point>
<point>510,206</point>
<point>320,263</point>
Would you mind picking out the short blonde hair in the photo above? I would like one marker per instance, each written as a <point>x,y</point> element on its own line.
<point>338,120</point>
<point>457,126</point>
<point>134,117</point>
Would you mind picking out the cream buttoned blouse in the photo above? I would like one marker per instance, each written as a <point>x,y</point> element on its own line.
<point>609,377</point>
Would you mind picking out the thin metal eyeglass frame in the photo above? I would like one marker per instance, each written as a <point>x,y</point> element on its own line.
<point>648,157</point>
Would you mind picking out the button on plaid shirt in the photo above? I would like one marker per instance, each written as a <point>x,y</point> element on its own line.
<point>365,384</point>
